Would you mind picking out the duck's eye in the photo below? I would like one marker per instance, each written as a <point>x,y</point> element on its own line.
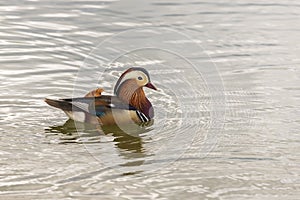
<point>140,78</point>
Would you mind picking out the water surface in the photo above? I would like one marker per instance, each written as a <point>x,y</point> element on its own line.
<point>234,140</point>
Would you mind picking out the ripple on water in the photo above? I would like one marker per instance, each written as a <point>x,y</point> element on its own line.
<point>179,115</point>
<point>44,43</point>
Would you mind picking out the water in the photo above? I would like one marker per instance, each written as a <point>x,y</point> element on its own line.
<point>224,132</point>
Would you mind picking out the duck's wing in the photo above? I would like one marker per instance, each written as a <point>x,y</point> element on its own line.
<point>92,105</point>
<point>93,109</point>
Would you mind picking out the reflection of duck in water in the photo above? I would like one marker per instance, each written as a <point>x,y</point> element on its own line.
<point>127,144</point>
<point>129,103</point>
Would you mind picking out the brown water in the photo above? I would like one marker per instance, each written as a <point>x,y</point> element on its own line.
<point>227,110</point>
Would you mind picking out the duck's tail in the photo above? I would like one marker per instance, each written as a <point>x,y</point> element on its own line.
<point>61,104</point>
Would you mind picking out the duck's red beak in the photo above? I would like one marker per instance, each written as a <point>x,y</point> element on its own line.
<point>151,86</point>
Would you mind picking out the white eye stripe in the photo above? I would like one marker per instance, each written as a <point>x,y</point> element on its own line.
<point>132,75</point>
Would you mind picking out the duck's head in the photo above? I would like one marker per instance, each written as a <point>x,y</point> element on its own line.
<point>133,79</point>
<point>129,88</point>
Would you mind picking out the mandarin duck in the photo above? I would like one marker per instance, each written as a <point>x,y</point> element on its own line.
<point>129,102</point>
